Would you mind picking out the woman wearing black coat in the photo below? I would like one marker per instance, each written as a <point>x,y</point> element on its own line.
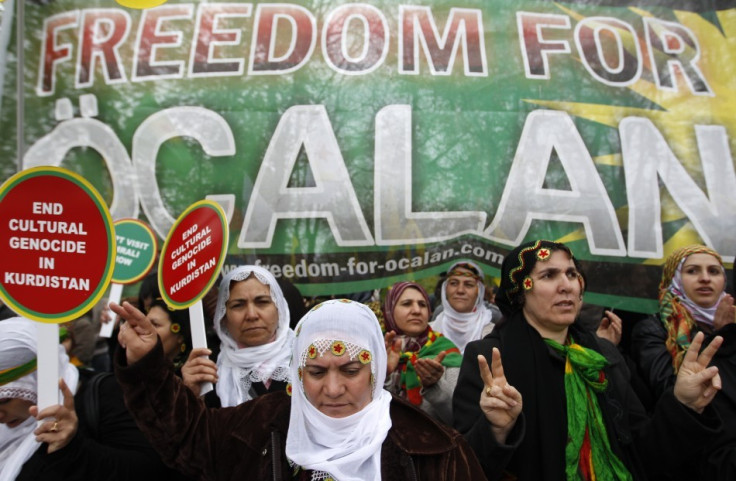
<point>579,419</point>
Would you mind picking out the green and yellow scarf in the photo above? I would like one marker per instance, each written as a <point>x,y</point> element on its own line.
<point>436,343</point>
<point>588,454</point>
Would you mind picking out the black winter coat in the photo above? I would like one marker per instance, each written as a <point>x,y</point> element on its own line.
<point>648,349</point>
<point>535,450</point>
<point>114,449</point>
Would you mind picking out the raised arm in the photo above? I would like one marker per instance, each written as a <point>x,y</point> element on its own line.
<point>188,436</point>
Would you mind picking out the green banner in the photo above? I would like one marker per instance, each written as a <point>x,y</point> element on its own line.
<point>354,144</point>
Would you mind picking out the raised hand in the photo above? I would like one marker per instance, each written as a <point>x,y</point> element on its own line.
<point>610,328</point>
<point>393,351</point>
<point>500,401</point>
<point>62,422</point>
<point>696,383</point>
<point>137,336</point>
<point>725,312</point>
<point>198,369</point>
<point>430,370</point>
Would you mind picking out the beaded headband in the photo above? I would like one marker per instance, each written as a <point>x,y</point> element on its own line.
<point>470,271</point>
<point>516,271</point>
<point>542,254</point>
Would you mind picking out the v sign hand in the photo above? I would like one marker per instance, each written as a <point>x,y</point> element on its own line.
<point>697,383</point>
<point>500,402</point>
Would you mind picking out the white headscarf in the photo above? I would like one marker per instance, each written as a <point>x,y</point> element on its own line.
<point>349,448</point>
<point>238,368</point>
<point>463,327</point>
<point>18,341</point>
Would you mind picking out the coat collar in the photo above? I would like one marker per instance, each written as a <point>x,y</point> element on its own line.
<point>416,433</point>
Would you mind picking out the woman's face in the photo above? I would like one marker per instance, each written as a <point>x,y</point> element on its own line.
<point>251,316</point>
<point>161,321</point>
<point>411,312</point>
<point>703,279</point>
<point>13,411</point>
<point>554,301</point>
<point>461,291</point>
<point>337,386</point>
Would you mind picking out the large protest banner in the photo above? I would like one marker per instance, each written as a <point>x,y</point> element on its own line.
<point>353,144</point>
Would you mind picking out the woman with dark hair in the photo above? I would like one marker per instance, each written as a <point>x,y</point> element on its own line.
<point>560,407</point>
<point>422,364</point>
<point>172,325</point>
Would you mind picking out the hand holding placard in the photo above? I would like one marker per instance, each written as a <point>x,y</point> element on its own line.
<point>199,369</point>
<point>190,261</point>
<point>57,424</point>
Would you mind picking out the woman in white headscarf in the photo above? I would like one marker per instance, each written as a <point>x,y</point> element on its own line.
<point>339,422</point>
<point>252,322</point>
<point>464,316</point>
<point>338,432</point>
<point>18,392</point>
<point>61,442</point>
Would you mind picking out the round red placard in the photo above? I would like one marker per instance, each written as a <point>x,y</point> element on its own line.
<point>193,254</point>
<point>57,244</point>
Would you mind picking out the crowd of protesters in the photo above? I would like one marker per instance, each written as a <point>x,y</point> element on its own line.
<point>475,381</point>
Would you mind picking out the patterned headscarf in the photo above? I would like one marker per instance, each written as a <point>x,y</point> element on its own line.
<point>463,327</point>
<point>348,448</point>
<point>238,368</point>
<point>516,270</point>
<point>389,304</point>
<point>677,312</point>
<point>428,344</point>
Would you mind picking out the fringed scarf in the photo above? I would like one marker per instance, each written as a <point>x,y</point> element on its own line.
<point>436,343</point>
<point>238,368</point>
<point>588,454</point>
